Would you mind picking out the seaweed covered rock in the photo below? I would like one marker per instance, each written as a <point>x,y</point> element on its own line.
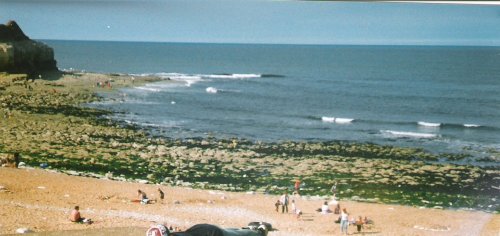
<point>20,54</point>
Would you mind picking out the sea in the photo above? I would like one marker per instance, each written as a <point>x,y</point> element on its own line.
<point>444,99</point>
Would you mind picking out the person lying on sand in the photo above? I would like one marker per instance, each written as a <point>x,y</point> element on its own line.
<point>75,216</point>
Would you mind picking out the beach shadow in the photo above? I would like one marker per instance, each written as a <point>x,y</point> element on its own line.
<point>125,231</point>
<point>367,233</point>
<point>307,219</point>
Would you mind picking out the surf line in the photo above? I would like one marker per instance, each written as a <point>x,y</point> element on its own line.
<point>336,120</point>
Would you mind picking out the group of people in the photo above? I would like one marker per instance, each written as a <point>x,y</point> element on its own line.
<point>283,201</point>
<point>104,84</point>
<point>345,222</point>
<point>143,198</point>
<point>343,219</point>
<point>76,217</point>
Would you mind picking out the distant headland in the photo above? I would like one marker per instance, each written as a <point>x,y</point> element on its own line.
<point>20,54</point>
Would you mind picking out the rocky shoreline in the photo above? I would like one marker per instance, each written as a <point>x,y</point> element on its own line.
<point>47,123</point>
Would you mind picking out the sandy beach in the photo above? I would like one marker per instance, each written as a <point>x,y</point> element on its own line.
<point>41,201</point>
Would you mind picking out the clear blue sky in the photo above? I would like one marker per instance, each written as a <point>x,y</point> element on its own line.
<point>256,21</point>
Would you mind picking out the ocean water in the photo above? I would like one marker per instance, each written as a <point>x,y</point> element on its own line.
<point>442,99</point>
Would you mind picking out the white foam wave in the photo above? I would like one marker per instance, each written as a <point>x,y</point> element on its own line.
<point>336,120</point>
<point>190,79</point>
<point>148,88</point>
<point>140,102</point>
<point>328,119</point>
<point>429,124</point>
<point>343,120</point>
<point>211,90</point>
<point>160,75</point>
<point>405,134</point>
<point>186,78</point>
<point>232,76</point>
<point>165,124</point>
<point>471,125</point>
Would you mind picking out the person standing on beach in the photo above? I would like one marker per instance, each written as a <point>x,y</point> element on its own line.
<point>297,186</point>
<point>344,221</point>
<point>294,207</point>
<point>333,189</point>
<point>359,224</point>
<point>162,195</point>
<point>284,203</point>
<point>277,205</point>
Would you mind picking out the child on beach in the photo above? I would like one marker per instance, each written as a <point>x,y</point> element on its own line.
<point>162,195</point>
<point>75,216</point>
<point>298,213</point>
<point>359,224</point>
<point>277,205</point>
<point>142,197</point>
<point>337,209</point>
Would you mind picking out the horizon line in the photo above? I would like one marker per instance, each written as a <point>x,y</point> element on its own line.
<point>416,1</point>
<point>271,43</point>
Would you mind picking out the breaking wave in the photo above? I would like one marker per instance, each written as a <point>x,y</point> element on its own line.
<point>336,120</point>
<point>428,124</point>
<point>191,79</point>
<point>211,90</point>
<point>404,134</point>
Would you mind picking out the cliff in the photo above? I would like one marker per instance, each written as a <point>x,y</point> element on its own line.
<point>20,54</point>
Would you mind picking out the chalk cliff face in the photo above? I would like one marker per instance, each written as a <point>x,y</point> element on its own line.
<point>20,54</point>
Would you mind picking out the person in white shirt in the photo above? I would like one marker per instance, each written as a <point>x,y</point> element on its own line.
<point>325,209</point>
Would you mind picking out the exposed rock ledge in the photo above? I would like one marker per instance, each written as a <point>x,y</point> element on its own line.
<point>20,54</point>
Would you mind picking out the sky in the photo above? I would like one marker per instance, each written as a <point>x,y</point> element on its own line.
<point>257,21</point>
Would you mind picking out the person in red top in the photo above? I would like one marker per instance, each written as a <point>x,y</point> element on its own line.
<point>297,186</point>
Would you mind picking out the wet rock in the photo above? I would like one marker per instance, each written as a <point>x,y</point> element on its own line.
<point>108,175</point>
<point>150,176</point>
<point>71,172</point>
